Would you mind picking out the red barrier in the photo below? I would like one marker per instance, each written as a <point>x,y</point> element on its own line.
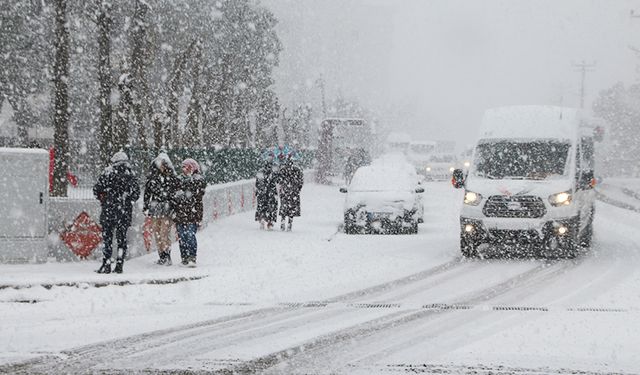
<point>215,209</point>
<point>230,203</point>
<point>82,236</point>
<point>242,198</point>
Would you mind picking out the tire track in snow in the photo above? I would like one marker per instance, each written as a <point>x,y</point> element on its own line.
<point>336,350</point>
<point>85,357</point>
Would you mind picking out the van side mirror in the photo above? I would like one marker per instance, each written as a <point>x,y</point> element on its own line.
<point>343,189</point>
<point>587,180</point>
<point>420,189</point>
<point>457,179</point>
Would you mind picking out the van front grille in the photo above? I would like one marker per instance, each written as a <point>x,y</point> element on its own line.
<point>515,206</point>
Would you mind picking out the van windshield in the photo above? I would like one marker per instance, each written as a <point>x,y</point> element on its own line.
<point>521,160</point>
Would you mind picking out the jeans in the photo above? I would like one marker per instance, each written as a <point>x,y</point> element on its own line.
<point>188,241</point>
<point>121,238</point>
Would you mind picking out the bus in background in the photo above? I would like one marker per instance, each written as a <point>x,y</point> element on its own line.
<point>398,142</point>
<point>343,142</point>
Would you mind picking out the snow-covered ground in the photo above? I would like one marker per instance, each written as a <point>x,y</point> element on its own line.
<point>318,301</point>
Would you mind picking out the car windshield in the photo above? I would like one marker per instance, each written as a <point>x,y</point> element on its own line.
<point>441,159</point>
<point>521,160</point>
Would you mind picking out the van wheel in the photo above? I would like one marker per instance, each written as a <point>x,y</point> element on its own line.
<point>468,248</point>
<point>570,248</point>
<point>587,233</point>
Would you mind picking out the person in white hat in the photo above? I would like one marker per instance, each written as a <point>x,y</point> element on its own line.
<point>117,189</point>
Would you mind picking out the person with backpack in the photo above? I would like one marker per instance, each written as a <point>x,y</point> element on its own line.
<point>159,190</point>
<point>117,189</point>
<point>188,209</point>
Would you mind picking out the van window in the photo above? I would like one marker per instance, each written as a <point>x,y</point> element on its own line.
<point>536,160</point>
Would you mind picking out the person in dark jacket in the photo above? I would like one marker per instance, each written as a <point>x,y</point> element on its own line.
<point>117,189</point>
<point>266,196</point>
<point>290,179</point>
<point>159,190</point>
<point>188,210</point>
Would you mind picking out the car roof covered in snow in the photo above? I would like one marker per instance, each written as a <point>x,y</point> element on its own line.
<point>531,122</point>
<point>383,178</point>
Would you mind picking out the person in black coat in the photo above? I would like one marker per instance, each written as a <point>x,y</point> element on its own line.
<point>188,210</point>
<point>162,183</point>
<point>266,196</point>
<point>117,189</point>
<point>290,179</point>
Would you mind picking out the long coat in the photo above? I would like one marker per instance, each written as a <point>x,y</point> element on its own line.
<point>117,189</point>
<point>266,196</point>
<point>187,200</point>
<point>290,178</point>
<point>159,191</point>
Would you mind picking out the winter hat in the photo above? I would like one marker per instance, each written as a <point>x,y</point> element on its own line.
<point>191,165</point>
<point>119,157</point>
<point>163,159</point>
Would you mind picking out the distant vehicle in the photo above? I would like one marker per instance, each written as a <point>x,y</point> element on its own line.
<point>340,138</point>
<point>530,186</point>
<point>398,142</point>
<point>419,154</point>
<point>383,199</point>
<point>440,167</point>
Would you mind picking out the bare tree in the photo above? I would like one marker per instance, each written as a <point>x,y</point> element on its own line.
<point>104,23</point>
<point>61,100</point>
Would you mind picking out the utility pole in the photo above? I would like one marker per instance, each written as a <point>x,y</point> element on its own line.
<point>320,82</point>
<point>633,15</point>
<point>583,68</point>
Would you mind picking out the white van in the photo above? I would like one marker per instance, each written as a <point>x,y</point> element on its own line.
<point>530,186</point>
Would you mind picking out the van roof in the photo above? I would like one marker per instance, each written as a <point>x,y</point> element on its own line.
<point>531,122</point>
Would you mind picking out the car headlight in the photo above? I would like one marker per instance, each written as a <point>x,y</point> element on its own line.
<point>471,198</point>
<point>467,164</point>
<point>451,169</point>
<point>428,169</point>
<point>560,199</point>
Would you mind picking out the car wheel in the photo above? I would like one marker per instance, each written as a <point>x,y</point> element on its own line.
<point>349,223</point>
<point>414,228</point>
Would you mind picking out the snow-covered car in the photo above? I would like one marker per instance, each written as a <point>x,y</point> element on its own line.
<point>383,199</point>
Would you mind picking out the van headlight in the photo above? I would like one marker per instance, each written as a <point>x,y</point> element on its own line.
<point>471,198</point>
<point>560,199</point>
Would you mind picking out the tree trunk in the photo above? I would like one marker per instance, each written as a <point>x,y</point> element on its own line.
<point>104,22</point>
<point>121,126</point>
<point>174,87</point>
<point>138,51</point>
<point>61,100</point>
<point>192,134</point>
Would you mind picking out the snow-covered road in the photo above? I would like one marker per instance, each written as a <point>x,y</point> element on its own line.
<point>318,301</point>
